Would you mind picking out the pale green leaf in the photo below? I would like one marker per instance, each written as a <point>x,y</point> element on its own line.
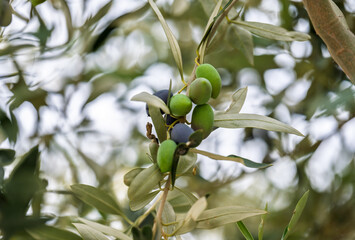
<point>174,45</point>
<point>141,201</point>
<point>244,161</point>
<point>261,225</point>
<point>220,216</point>
<point>51,233</point>
<point>238,99</point>
<point>181,200</point>
<point>243,120</point>
<point>158,122</point>
<point>105,229</point>
<point>89,233</point>
<point>168,217</point>
<point>296,215</point>
<point>242,40</point>
<point>189,220</point>
<point>130,175</point>
<point>144,182</point>
<point>244,230</point>
<point>186,162</point>
<point>96,198</point>
<point>272,32</point>
<point>151,100</point>
<point>99,15</point>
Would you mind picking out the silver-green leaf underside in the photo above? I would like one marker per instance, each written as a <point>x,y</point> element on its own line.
<point>242,40</point>
<point>105,229</point>
<point>244,120</point>
<point>89,233</point>
<point>152,100</point>
<point>272,32</point>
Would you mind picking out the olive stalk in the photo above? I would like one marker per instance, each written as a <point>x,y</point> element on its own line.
<point>158,217</point>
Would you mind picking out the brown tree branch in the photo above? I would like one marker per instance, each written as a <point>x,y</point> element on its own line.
<point>336,35</point>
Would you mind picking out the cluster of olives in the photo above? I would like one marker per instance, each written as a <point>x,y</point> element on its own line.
<point>5,13</point>
<point>206,85</point>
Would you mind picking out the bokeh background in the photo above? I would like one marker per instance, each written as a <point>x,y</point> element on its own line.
<point>69,68</point>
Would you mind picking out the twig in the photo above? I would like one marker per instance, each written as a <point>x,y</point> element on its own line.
<point>338,38</point>
<point>161,206</point>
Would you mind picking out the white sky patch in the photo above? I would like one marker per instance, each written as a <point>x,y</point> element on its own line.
<point>283,173</point>
<point>323,127</point>
<point>278,79</point>
<point>301,49</point>
<point>284,60</point>
<point>297,91</point>
<point>348,134</point>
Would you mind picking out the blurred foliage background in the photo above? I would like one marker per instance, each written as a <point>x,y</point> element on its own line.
<point>69,68</point>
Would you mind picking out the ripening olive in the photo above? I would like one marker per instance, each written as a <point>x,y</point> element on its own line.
<point>170,119</point>
<point>163,95</point>
<point>5,13</point>
<point>210,73</point>
<point>180,105</point>
<point>200,91</point>
<point>181,133</point>
<point>166,155</point>
<point>202,118</point>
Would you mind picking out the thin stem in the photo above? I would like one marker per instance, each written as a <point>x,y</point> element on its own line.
<point>161,206</point>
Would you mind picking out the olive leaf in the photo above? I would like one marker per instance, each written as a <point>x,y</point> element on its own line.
<point>188,223</point>
<point>7,156</point>
<point>244,230</point>
<point>144,182</point>
<point>140,202</point>
<point>130,175</point>
<point>220,216</point>
<point>51,233</point>
<point>105,229</point>
<point>174,45</point>
<point>242,40</point>
<point>261,225</point>
<point>296,215</point>
<point>89,233</point>
<point>151,100</point>
<point>168,216</point>
<point>243,120</point>
<point>238,99</point>
<point>96,198</point>
<point>181,200</point>
<point>244,161</point>
<point>272,32</point>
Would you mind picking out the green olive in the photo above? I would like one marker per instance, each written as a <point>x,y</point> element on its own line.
<point>210,73</point>
<point>166,155</point>
<point>180,105</point>
<point>200,91</point>
<point>202,118</point>
<point>5,13</point>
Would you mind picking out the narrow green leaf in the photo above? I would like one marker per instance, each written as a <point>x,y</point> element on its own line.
<point>174,45</point>
<point>220,216</point>
<point>272,32</point>
<point>244,230</point>
<point>189,221</point>
<point>37,2</point>
<point>296,215</point>
<point>181,200</point>
<point>243,120</point>
<point>51,233</point>
<point>244,161</point>
<point>140,202</point>
<point>130,175</point>
<point>96,198</point>
<point>238,99</point>
<point>105,229</point>
<point>89,233</point>
<point>186,163</point>
<point>7,156</point>
<point>100,13</point>
<point>158,122</point>
<point>242,40</point>
<point>144,182</point>
<point>151,100</point>
<point>168,217</point>
<point>195,138</point>
<point>261,225</point>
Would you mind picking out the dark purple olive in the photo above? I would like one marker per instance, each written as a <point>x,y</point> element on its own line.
<point>163,95</point>
<point>181,133</point>
<point>170,119</point>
